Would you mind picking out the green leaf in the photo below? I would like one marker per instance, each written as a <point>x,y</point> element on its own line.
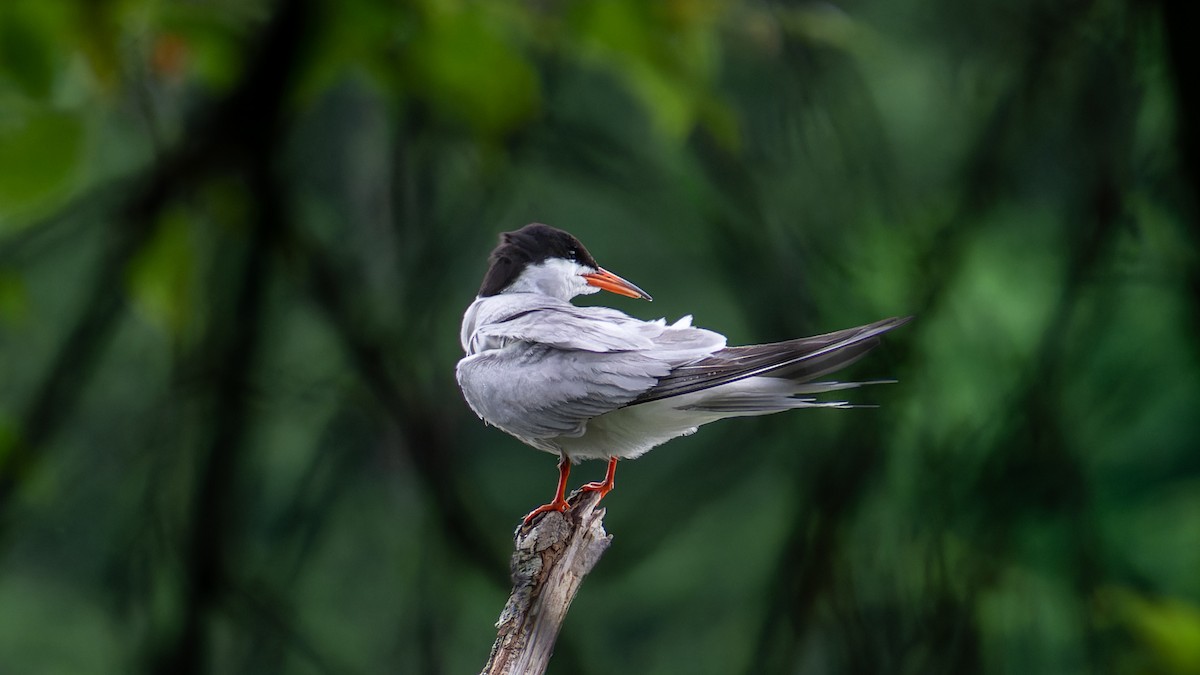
<point>14,298</point>
<point>465,68</point>
<point>40,153</point>
<point>161,277</point>
<point>667,60</point>
<point>1168,629</point>
<point>26,49</point>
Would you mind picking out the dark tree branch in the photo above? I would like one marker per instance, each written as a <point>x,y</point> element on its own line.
<point>71,367</point>
<point>245,131</point>
<point>1179,19</point>
<point>425,431</point>
<point>204,553</point>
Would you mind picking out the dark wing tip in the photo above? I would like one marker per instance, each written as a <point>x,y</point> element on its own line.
<point>801,360</point>
<point>891,323</point>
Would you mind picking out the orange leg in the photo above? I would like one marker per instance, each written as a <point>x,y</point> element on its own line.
<point>605,487</point>
<point>560,498</point>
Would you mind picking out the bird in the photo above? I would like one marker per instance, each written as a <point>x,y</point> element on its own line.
<point>591,382</point>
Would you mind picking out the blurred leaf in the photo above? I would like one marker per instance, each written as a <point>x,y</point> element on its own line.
<point>667,55</point>
<point>14,298</point>
<point>36,41</point>
<point>161,278</point>
<point>823,24</point>
<point>358,36</point>
<point>100,36</point>
<point>10,436</point>
<point>204,43</point>
<point>619,36</point>
<point>466,68</point>
<point>1167,628</point>
<point>40,153</point>
<point>26,48</point>
<point>58,630</point>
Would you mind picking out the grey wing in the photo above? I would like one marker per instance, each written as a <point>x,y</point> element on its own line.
<point>544,369</point>
<point>538,392</point>
<point>567,327</point>
<point>799,360</point>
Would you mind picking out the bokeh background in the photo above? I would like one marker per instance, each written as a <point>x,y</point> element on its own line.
<point>237,237</point>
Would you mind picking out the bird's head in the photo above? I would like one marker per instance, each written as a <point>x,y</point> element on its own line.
<point>541,259</point>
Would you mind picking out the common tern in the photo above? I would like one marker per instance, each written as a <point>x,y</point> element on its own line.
<point>596,383</point>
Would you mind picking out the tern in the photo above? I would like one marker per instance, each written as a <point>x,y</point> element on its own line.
<point>596,383</point>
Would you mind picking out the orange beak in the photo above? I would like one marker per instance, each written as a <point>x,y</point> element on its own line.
<point>605,280</point>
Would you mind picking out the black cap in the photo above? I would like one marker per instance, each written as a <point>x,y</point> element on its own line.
<point>530,245</point>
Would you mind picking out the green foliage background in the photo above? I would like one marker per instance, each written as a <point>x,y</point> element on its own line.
<point>236,239</point>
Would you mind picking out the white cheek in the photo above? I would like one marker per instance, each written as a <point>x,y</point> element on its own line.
<point>557,278</point>
<point>584,288</point>
<point>565,277</point>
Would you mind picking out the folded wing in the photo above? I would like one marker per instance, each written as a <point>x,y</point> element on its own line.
<point>788,364</point>
<point>543,371</point>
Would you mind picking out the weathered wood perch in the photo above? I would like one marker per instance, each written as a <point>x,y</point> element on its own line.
<point>549,563</point>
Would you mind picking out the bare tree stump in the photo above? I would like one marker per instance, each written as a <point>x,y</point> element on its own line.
<point>549,563</point>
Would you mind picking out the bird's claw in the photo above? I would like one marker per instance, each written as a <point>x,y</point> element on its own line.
<point>559,505</point>
<point>603,487</point>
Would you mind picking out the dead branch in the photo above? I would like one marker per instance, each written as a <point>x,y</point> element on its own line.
<point>549,564</point>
